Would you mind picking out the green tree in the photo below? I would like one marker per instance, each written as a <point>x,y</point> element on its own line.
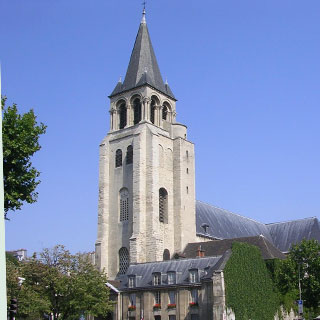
<point>303,261</point>
<point>20,134</point>
<point>60,283</point>
<point>31,300</point>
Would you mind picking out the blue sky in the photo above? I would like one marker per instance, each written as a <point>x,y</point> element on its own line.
<point>246,74</point>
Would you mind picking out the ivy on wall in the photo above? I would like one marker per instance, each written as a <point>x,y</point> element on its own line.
<point>249,287</point>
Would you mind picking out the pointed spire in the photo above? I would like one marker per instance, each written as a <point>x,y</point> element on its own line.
<point>143,67</point>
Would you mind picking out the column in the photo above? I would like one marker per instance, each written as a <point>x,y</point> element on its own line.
<point>146,102</point>
<point>111,120</point>
<point>128,106</point>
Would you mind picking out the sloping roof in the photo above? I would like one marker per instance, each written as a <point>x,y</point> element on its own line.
<point>226,225</point>
<point>286,234</point>
<point>144,271</point>
<point>219,247</point>
<point>143,66</point>
<point>223,224</point>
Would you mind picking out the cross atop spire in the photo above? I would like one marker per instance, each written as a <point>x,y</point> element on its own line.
<point>143,20</point>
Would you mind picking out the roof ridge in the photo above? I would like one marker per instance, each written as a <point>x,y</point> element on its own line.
<point>309,218</point>
<point>236,214</point>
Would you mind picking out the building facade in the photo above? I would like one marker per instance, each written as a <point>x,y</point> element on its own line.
<point>148,217</point>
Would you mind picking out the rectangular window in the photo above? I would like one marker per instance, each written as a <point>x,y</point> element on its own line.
<point>131,281</point>
<point>157,297</point>
<point>172,317</point>
<point>194,317</point>
<point>171,278</point>
<point>156,279</point>
<point>194,295</point>
<point>132,299</point>
<point>172,297</point>
<point>193,276</point>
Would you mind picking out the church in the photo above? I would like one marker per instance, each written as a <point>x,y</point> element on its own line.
<point>157,244</point>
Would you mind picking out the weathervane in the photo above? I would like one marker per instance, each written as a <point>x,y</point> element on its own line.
<point>144,5</point>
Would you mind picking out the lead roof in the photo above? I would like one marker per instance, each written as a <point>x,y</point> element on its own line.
<point>224,224</point>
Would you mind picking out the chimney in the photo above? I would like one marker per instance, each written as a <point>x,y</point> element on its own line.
<point>200,252</point>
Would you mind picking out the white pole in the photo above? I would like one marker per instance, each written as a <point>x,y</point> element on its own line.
<point>3,286</point>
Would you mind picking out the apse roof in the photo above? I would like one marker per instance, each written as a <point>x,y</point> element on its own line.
<point>224,224</point>
<point>216,223</point>
<point>286,234</point>
<point>143,67</point>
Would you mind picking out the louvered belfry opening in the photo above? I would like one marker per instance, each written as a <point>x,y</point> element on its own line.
<point>163,205</point>
<point>137,110</point>
<point>164,113</point>
<point>152,113</point>
<point>123,116</point>
<point>124,260</point>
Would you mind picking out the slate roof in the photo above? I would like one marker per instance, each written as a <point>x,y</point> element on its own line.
<point>224,224</point>
<point>219,247</point>
<point>143,67</point>
<point>144,271</point>
<point>286,234</point>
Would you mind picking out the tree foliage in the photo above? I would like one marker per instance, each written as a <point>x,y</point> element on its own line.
<point>303,261</point>
<point>20,134</point>
<point>249,288</point>
<point>59,283</point>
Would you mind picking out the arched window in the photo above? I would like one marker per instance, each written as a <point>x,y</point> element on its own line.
<point>166,255</point>
<point>118,158</point>
<point>152,110</point>
<point>137,110</point>
<point>129,154</point>
<point>123,116</point>
<point>124,204</point>
<point>124,260</point>
<point>164,113</point>
<point>163,205</point>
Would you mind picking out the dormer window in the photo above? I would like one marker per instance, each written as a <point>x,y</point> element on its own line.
<point>193,276</point>
<point>171,277</point>
<point>205,227</point>
<point>156,279</point>
<point>131,281</point>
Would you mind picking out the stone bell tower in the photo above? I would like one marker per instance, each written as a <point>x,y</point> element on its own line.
<point>147,173</point>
